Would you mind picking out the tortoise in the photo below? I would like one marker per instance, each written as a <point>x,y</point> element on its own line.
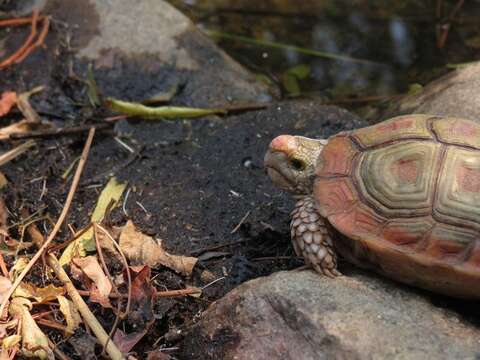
<point>401,197</point>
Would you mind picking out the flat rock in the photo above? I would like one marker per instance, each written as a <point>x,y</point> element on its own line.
<point>456,94</point>
<point>300,315</point>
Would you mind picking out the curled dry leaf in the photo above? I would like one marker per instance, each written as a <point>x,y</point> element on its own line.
<point>34,341</point>
<point>101,286</point>
<point>143,249</point>
<point>71,314</point>
<point>7,101</point>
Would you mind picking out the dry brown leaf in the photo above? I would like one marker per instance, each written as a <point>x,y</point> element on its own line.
<point>7,101</point>
<point>34,341</point>
<point>142,249</point>
<point>40,295</point>
<point>91,268</point>
<point>71,314</point>
<point>141,313</point>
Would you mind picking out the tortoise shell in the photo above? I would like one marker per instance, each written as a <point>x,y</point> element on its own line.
<point>406,196</point>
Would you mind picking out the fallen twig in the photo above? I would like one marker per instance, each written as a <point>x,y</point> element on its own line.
<point>58,224</point>
<point>174,293</point>
<point>48,133</point>
<point>15,152</point>
<point>158,294</point>
<point>29,45</point>
<point>235,229</point>
<point>119,315</point>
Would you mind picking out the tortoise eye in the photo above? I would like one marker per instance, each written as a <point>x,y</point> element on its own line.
<point>297,164</point>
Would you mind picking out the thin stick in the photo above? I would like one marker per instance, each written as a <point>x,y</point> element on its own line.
<point>59,223</point>
<point>125,263</point>
<point>48,133</point>
<point>33,32</point>
<point>18,21</point>
<point>15,152</point>
<point>40,41</point>
<point>82,307</point>
<point>105,269</point>
<point>235,229</point>
<point>158,294</point>
<point>175,293</point>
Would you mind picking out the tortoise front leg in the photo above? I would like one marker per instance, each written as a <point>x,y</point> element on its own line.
<point>311,238</point>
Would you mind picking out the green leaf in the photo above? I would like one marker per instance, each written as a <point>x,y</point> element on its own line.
<point>108,199</point>
<point>301,71</point>
<point>290,84</point>
<point>161,112</point>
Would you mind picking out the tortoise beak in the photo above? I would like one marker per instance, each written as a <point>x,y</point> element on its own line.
<point>275,163</point>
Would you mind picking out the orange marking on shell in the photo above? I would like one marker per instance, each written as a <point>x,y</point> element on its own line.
<point>468,179</point>
<point>400,235</point>
<point>463,128</point>
<point>405,170</point>
<point>284,143</point>
<point>474,259</point>
<point>334,195</point>
<point>359,220</point>
<point>449,242</point>
<point>399,124</point>
<point>458,131</point>
<point>394,129</point>
<point>336,157</point>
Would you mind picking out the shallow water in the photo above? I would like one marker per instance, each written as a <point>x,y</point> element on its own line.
<point>401,40</point>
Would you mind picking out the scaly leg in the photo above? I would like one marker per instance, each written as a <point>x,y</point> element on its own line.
<point>311,239</point>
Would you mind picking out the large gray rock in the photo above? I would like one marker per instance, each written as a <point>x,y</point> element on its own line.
<point>300,315</point>
<point>137,49</point>
<point>455,94</point>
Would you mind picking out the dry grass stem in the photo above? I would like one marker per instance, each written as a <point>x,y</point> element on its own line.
<point>15,152</point>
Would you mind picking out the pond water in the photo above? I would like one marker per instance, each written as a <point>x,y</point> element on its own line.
<point>386,47</point>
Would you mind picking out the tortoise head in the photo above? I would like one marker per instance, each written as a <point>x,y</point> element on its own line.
<point>290,162</point>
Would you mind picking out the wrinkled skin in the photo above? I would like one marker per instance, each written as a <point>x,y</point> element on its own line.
<point>290,162</point>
